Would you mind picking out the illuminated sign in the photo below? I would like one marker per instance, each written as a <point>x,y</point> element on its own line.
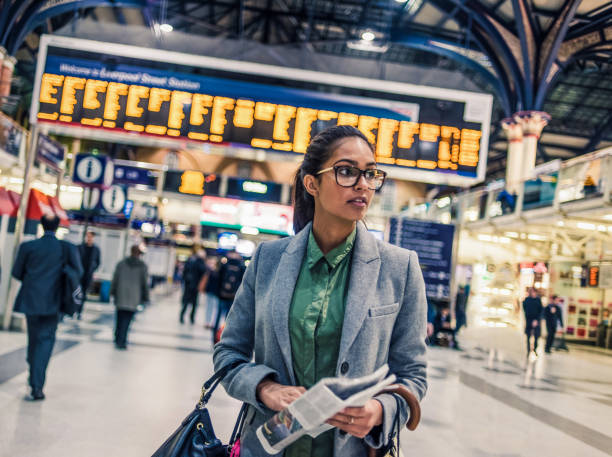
<point>191,182</point>
<point>410,127</point>
<point>254,186</point>
<point>257,191</point>
<point>593,278</point>
<point>235,214</point>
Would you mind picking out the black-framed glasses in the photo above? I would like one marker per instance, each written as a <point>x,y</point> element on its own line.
<point>349,176</point>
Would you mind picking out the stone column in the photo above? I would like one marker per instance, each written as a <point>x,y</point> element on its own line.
<point>514,171</point>
<point>533,122</point>
<point>8,65</point>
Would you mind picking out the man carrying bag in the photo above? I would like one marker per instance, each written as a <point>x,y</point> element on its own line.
<point>40,266</point>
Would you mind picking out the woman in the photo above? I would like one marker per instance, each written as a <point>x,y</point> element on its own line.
<point>330,301</point>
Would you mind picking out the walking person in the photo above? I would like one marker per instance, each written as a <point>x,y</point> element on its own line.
<point>193,272</point>
<point>38,266</point>
<point>230,277</point>
<point>211,292</point>
<point>460,308</point>
<point>330,301</point>
<point>532,307</point>
<point>552,316</point>
<point>130,288</point>
<point>90,259</point>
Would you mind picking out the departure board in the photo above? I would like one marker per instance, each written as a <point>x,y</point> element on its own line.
<point>91,90</point>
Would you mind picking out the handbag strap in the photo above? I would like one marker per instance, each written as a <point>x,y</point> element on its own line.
<point>211,384</point>
<point>240,420</point>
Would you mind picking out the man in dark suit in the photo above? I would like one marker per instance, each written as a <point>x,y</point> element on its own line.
<point>532,307</point>
<point>552,315</point>
<point>39,266</point>
<point>90,259</point>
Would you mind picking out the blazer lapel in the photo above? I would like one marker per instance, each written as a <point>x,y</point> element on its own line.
<point>284,284</point>
<point>362,284</point>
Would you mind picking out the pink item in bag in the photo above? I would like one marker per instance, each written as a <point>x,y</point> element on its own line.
<point>236,449</point>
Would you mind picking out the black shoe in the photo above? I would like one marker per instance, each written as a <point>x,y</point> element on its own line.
<point>37,394</point>
<point>548,351</point>
<point>78,317</point>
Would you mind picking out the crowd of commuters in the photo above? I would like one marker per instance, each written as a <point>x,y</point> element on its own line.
<point>218,282</point>
<point>40,266</point>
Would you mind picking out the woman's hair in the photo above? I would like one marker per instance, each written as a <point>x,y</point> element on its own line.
<point>319,151</point>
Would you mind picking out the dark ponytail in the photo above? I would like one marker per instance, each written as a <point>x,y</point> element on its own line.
<point>319,150</point>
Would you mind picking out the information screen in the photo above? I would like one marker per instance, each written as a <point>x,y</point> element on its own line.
<point>433,243</point>
<point>126,94</point>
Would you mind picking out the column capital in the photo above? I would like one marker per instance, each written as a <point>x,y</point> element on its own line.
<point>532,121</point>
<point>512,129</point>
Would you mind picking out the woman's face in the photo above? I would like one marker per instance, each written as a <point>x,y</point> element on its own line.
<point>349,204</point>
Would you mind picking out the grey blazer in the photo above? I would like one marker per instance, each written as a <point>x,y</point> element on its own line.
<point>384,322</point>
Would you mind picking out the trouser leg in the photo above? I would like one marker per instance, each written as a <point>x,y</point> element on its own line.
<point>528,343</point>
<point>194,307</point>
<point>123,322</point>
<point>550,337</point>
<point>44,335</point>
<point>211,309</point>
<point>84,286</point>
<point>32,325</point>
<point>126,321</point>
<point>117,323</point>
<point>222,309</point>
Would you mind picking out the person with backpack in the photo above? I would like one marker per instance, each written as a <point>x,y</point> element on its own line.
<point>130,288</point>
<point>39,266</point>
<point>230,277</point>
<point>193,272</point>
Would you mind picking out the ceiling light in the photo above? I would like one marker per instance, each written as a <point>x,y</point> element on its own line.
<point>560,223</point>
<point>585,226</point>
<point>368,36</point>
<point>249,230</point>
<point>536,237</point>
<point>167,28</point>
<point>608,217</point>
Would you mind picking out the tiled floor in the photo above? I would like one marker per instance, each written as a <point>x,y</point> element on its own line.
<point>102,402</point>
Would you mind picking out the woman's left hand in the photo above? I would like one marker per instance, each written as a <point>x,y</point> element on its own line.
<point>359,421</point>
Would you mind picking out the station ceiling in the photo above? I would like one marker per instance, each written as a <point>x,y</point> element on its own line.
<point>496,43</point>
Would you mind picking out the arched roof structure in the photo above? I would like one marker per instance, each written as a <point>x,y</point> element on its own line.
<point>549,55</point>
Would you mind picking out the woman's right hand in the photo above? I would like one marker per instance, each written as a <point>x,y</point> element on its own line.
<point>277,396</point>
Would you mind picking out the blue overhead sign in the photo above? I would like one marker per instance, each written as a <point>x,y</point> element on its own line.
<point>433,243</point>
<point>424,133</point>
<point>50,152</point>
<point>93,171</point>
<point>131,176</point>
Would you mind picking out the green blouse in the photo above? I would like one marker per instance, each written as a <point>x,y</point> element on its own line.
<point>315,327</point>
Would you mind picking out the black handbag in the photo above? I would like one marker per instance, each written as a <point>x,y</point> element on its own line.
<point>195,436</point>
<point>72,294</point>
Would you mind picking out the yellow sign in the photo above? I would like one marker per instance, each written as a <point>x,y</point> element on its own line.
<point>260,124</point>
<point>192,182</point>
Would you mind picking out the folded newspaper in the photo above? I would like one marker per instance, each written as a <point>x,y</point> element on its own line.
<point>307,414</point>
